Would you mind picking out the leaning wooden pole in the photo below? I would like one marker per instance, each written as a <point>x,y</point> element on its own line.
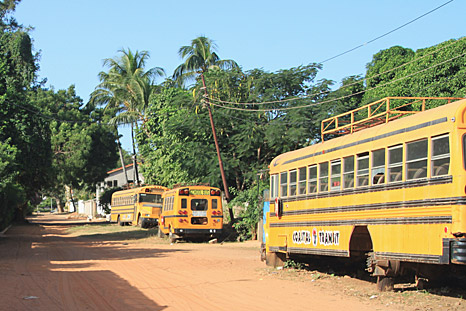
<point>220,163</point>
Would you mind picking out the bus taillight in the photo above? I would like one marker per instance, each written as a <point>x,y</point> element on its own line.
<point>183,212</point>
<point>214,192</point>
<point>184,191</point>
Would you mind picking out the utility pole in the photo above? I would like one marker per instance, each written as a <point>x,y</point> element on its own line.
<point>220,163</point>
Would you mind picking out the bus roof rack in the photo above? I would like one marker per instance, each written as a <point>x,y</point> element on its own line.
<point>378,112</point>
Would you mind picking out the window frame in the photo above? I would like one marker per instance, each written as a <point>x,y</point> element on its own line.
<point>408,163</point>
<point>347,173</point>
<point>281,187</point>
<point>302,181</point>
<point>335,163</point>
<point>379,169</point>
<point>366,171</point>
<point>312,181</point>
<point>323,177</point>
<point>433,158</point>
<point>292,184</point>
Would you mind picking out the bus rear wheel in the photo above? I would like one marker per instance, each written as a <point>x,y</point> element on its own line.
<point>171,236</point>
<point>121,223</point>
<point>160,233</point>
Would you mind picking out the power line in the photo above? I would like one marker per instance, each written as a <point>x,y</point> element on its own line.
<point>48,117</point>
<point>387,33</point>
<point>344,86</point>
<point>342,97</point>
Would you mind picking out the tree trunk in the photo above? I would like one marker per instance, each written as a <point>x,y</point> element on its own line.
<point>135,160</point>
<point>122,160</point>
<point>59,205</point>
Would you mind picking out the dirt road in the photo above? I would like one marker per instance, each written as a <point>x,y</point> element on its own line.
<point>44,267</point>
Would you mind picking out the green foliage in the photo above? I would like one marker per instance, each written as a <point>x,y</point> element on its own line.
<point>291,264</point>
<point>436,71</point>
<point>83,150</point>
<point>20,125</point>
<point>105,199</point>
<point>250,202</point>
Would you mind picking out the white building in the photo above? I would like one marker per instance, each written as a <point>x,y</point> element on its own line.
<point>116,178</point>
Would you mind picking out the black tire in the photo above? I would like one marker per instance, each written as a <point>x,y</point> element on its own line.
<point>160,234</point>
<point>141,222</point>
<point>171,236</point>
<point>121,223</point>
<point>385,284</point>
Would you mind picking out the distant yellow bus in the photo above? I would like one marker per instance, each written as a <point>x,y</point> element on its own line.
<point>389,192</point>
<point>138,206</point>
<point>191,212</point>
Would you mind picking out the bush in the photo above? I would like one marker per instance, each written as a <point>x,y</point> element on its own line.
<point>250,201</point>
<point>106,198</point>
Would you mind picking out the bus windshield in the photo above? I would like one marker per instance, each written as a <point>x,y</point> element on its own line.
<point>150,198</point>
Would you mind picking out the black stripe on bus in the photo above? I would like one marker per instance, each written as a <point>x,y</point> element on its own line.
<point>124,210</point>
<point>176,216</point>
<point>370,221</point>
<point>375,188</point>
<point>371,139</point>
<point>314,251</point>
<point>378,206</point>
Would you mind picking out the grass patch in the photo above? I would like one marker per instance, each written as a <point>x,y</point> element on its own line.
<point>114,232</point>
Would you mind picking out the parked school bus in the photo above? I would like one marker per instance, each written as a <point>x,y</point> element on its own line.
<point>138,206</point>
<point>191,212</point>
<point>389,189</point>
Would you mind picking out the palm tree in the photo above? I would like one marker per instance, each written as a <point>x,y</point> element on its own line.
<point>127,88</point>
<point>199,57</point>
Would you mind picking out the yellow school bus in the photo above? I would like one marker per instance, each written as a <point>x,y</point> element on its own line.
<point>389,188</point>
<point>191,212</point>
<point>138,206</point>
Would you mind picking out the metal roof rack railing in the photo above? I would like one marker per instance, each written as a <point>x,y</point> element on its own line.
<point>378,112</point>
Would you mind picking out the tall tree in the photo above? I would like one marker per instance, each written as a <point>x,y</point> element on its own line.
<point>199,58</point>
<point>127,87</point>
<point>83,149</point>
<point>24,133</point>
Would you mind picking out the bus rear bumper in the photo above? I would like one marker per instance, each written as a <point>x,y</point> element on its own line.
<point>182,232</point>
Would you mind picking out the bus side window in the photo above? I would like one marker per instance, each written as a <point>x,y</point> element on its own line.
<point>184,203</point>
<point>293,177</point>
<point>323,176</point>
<point>363,170</point>
<point>378,167</point>
<point>273,186</point>
<point>395,163</point>
<point>302,181</point>
<point>440,156</point>
<point>348,172</point>
<point>214,203</point>
<point>335,179</point>
<point>416,159</point>
<point>284,184</point>
<point>312,182</point>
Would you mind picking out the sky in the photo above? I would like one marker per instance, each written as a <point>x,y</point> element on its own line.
<point>74,37</point>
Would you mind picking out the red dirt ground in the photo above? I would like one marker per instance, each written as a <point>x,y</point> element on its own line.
<point>43,267</point>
